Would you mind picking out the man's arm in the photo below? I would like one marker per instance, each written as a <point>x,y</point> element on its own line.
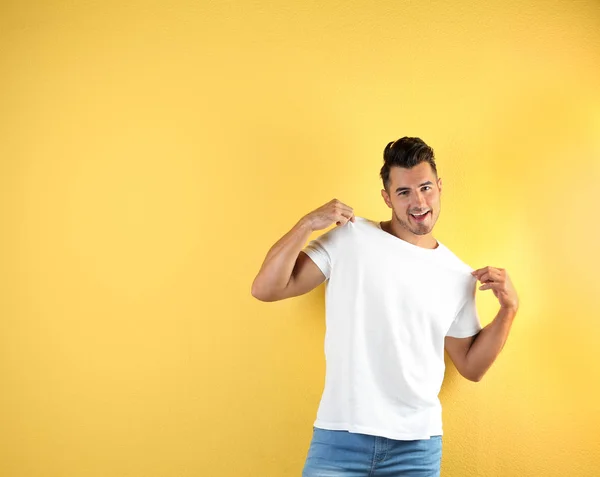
<point>473,356</point>
<point>286,272</point>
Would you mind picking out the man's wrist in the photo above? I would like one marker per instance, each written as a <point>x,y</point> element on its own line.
<point>305,224</point>
<point>508,311</point>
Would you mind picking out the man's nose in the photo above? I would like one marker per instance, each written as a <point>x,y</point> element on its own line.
<point>420,201</point>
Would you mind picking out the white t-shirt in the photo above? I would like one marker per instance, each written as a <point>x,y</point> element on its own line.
<point>389,304</point>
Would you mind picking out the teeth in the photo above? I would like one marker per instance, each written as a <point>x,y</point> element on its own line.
<point>418,215</point>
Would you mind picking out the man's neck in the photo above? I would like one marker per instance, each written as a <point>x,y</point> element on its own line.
<point>423,241</point>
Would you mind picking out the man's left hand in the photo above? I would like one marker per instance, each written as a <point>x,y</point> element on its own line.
<point>497,280</point>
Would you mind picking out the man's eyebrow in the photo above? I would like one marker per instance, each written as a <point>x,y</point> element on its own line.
<point>408,188</point>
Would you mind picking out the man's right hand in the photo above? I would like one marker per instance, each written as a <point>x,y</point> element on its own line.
<point>333,211</point>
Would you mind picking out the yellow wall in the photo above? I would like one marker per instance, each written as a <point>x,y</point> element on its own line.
<point>152,152</point>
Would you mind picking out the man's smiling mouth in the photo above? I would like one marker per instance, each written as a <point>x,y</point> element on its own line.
<point>420,217</point>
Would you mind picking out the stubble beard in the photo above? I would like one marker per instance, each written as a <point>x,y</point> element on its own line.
<point>419,229</point>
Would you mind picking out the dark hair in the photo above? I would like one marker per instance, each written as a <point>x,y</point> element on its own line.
<point>406,152</point>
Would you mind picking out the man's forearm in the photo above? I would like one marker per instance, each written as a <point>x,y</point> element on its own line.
<point>489,342</point>
<point>277,268</point>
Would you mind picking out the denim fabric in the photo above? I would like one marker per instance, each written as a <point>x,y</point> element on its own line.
<point>347,454</point>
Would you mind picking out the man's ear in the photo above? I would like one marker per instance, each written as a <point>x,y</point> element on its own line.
<point>439,181</point>
<point>386,198</point>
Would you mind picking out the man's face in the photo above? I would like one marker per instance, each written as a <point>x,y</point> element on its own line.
<point>413,192</point>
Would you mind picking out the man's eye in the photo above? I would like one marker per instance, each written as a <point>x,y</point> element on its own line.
<point>404,192</point>
<point>427,187</point>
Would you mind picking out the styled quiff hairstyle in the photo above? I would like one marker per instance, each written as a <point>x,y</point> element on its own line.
<point>406,152</point>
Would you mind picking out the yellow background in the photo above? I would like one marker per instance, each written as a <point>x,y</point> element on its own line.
<point>152,152</point>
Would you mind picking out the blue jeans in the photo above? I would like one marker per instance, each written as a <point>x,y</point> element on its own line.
<point>348,454</point>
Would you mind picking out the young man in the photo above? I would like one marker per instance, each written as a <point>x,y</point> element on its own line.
<point>395,299</point>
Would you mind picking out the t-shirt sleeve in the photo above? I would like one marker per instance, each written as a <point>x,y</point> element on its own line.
<point>467,321</point>
<point>322,250</point>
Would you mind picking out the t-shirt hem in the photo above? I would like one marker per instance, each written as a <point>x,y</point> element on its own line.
<point>318,261</point>
<point>465,334</point>
<point>336,426</point>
